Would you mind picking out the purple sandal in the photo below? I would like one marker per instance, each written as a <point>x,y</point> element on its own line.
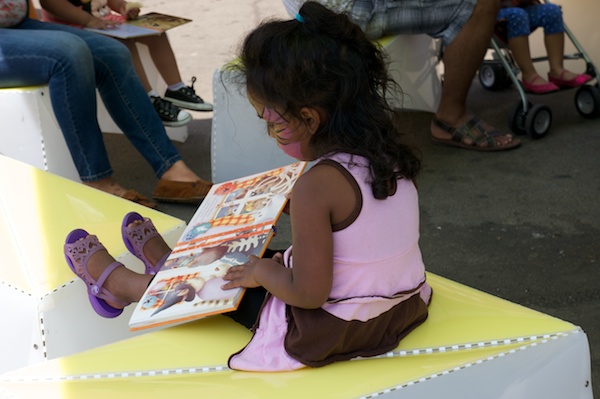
<point>79,248</point>
<point>135,238</point>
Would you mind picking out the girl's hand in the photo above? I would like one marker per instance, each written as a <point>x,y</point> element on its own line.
<point>243,275</point>
<point>97,23</point>
<point>132,10</point>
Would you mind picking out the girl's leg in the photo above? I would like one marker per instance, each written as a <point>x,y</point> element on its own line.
<point>518,28</point>
<point>178,93</point>
<point>555,47</point>
<point>163,57</point>
<point>137,63</point>
<point>519,47</point>
<point>170,114</point>
<point>125,284</point>
<point>549,16</point>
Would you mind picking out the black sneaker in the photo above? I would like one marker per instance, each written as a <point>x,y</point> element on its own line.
<point>169,113</point>
<point>187,98</point>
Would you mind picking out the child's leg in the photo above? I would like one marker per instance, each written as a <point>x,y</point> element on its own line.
<point>555,47</point>
<point>137,63</point>
<point>170,114</point>
<point>89,260</point>
<point>518,28</point>
<point>163,57</point>
<point>519,47</point>
<point>123,283</point>
<point>178,93</point>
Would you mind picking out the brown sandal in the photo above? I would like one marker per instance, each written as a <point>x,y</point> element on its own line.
<point>474,131</point>
<point>136,197</point>
<point>181,192</point>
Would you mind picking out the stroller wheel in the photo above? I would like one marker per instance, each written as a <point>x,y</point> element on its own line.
<point>516,120</point>
<point>538,121</point>
<point>493,77</point>
<point>587,101</point>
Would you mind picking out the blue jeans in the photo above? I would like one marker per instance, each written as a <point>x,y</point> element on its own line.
<point>74,62</point>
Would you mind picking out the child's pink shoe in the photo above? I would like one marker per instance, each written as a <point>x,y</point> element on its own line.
<point>577,81</point>
<point>543,88</point>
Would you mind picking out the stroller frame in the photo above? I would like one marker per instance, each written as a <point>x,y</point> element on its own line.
<point>525,118</point>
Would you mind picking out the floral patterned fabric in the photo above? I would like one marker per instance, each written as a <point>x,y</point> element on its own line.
<point>12,12</point>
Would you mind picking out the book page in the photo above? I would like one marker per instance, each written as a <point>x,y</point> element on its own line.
<point>234,221</point>
<point>125,31</point>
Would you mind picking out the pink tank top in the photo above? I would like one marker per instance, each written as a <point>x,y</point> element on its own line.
<point>378,279</point>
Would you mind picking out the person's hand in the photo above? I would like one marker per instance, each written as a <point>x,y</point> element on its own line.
<point>97,23</point>
<point>243,275</point>
<point>132,10</point>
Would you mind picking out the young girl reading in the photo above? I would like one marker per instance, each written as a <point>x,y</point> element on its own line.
<point>353,282</point>
<point>105,14</point>
<point>521,18</point>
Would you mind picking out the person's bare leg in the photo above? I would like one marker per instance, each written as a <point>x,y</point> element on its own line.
<point>180,172</point>
<point>462,58</point>
<point>137,63</point>
<point>555,47</point>
<point>125,284</point>
<point>519,48</point>
<point>163,57</point>
<point>155,248</point>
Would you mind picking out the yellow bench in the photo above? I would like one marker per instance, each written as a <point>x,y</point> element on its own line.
<point>473,345</point>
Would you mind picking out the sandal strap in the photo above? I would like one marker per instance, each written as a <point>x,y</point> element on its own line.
<point>99,291</point>
<point>472,130</point>
<point>80,252</point>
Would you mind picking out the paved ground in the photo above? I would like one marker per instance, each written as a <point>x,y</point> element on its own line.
<point>523,225</point>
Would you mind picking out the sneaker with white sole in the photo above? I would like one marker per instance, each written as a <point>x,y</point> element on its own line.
<point>187,98</point>
<point>170,114</point>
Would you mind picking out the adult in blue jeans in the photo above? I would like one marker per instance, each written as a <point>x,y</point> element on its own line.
<point>74,62</point>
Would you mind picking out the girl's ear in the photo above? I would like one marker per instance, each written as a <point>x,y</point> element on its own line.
<point>311,118</point>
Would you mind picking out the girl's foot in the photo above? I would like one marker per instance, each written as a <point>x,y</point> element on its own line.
<point>567,78</point>
<point>90,261</point>
<point>143,240</point>
<point>538,85</point>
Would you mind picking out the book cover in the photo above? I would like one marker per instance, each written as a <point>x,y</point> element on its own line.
<point>235,220</point>
<point>158,22</point>
<point>145,25</point>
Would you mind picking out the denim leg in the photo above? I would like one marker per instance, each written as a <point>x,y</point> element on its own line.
<point>128,103</point>
<point>77,57</point>
<point>29,56</point>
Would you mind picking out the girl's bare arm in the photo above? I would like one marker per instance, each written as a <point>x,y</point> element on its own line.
<point>319,197</point>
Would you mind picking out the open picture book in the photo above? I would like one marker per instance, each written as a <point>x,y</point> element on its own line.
<point>235,220</point>
<point>144,25</point>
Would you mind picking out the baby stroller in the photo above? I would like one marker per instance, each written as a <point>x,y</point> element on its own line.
<point>525,118</point>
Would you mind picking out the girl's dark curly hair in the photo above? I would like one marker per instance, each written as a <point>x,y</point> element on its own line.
<point>326,62</point>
